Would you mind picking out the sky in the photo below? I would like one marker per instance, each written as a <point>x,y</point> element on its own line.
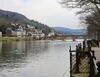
<point>49,12</point>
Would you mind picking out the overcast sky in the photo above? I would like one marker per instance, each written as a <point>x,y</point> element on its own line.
<point>49,12</point>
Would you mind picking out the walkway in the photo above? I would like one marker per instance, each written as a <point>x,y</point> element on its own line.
<point>97,53</point>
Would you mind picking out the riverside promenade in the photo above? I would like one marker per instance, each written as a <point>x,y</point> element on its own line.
<point>97,53</point>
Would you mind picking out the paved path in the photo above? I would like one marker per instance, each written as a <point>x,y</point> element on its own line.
<point>97,53</point>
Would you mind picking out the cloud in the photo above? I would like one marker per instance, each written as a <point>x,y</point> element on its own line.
<point>49,12</point>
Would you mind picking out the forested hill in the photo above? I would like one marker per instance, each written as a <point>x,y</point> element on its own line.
<point>7,17</point>
<point>68,31</point>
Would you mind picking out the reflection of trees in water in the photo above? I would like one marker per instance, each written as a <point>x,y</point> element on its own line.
<point>6,48</point>
<point>14,54</point>
<point>11,55</point>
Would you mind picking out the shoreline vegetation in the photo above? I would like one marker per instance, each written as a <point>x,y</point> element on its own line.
<point>27,38</point>
<point>16,38</point>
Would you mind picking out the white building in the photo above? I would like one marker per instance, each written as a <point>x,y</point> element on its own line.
<point>29,31</point>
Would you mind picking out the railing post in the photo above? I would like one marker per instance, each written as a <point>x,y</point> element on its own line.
<point>92,65</point>
<point>84,47</point>
<point>70,62</point>
<point>77,59</point>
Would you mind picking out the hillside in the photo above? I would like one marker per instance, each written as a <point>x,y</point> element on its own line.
<point>68,31</point>
<point>7,17</point>
<point>13,17</point>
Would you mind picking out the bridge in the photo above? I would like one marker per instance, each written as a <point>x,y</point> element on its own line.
<point>76,36</point>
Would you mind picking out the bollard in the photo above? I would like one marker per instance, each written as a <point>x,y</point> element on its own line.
<point>98,68</point>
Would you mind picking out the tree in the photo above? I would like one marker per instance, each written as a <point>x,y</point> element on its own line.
<point>3,25</point>
<point>92,20</point>
<point>89,13</point>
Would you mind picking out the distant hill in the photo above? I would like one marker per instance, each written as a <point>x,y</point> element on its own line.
<point>68,31</point>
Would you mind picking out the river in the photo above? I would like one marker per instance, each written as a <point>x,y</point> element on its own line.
<point>35,58</point>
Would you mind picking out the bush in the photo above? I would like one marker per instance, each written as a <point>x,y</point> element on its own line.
<point>95,43</point>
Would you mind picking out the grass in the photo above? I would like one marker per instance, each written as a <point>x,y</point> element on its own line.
<point>81,75</point>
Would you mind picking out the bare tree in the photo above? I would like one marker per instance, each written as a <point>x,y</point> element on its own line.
<point>89,13</point>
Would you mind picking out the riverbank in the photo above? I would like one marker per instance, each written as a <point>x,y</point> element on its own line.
<point>16,38</point>
<point>25,39</point>
<point>34,39</point>
<point>30,39</point>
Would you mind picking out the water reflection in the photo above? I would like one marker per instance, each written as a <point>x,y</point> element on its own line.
<point>14,54</point>
<point>34,58</point>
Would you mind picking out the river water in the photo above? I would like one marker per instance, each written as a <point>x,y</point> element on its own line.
<point>35,58</point>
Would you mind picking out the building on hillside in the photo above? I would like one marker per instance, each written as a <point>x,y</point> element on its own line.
<point>40,34</point>
<point>51,34</point>
<point>19,30</point>
<point>30,31</point>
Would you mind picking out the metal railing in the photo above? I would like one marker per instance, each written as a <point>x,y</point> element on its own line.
<point>82,62</point>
